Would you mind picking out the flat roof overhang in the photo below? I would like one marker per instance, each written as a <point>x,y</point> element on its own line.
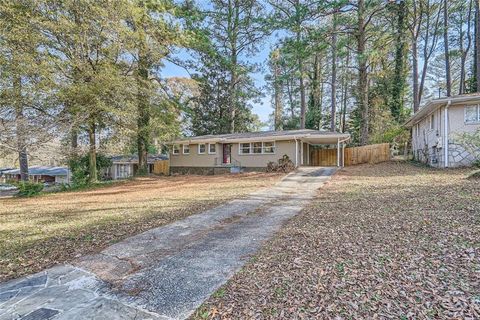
<point>326,139</point>
<point>313,138</point>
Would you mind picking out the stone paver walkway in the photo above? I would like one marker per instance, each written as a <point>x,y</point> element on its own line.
<point>167,272</point>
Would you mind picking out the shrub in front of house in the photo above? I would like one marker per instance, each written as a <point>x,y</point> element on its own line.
<point>283,165</point>
<point>28,188</point>
<point>80,168</point>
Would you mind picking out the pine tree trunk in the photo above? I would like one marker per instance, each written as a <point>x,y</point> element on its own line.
<point>233,95</point>
<point>316,92</point>
<point>92,164</point>
<point>303,107</point>
<point>303,103</point>
<point>463,59</point>
<point>362,74</point>
<point>333,110</point>
<point>399,78</point>
<point>345,96</point>
<point>20,128</point>
<point>143,110</point>
<point>278,94</point>
<point>465,49</point>
<point>448,75</point>
<point>416,95</point>
<point>74,140</point>
<point>234,19</point>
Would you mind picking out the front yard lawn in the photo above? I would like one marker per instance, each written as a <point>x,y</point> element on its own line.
<point>38,232</point>
<point>386,241</point>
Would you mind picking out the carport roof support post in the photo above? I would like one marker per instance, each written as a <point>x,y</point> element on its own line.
<point>338,152</point>
<point>296,152</point>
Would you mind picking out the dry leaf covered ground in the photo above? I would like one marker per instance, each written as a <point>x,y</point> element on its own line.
<point>38,232</point>
<point>386,241</point>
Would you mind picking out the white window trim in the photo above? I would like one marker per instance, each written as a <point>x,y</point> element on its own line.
<point>183,148</point>
<point>240,152</point>
<point>212,144</point>
<point>173,150</point>
<point>251,148</point>
<point>202,144</point>
<point>465,115</point>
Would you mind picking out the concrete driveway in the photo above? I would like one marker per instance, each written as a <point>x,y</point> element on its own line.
<point>167,272</point>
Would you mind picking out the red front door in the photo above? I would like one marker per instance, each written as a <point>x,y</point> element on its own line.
<point>227,152</point>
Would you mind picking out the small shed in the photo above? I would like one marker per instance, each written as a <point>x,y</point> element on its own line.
<point>124,167</point>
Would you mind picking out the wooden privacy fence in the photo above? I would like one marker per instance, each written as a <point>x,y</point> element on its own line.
<point>324,157</point>
<point>161,167</point>
<point>374,153</point>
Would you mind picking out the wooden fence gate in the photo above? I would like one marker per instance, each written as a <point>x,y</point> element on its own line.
<point>374,153</point>
<point>161,167</point>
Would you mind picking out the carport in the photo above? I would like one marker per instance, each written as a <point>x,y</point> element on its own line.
<point>305,145</point>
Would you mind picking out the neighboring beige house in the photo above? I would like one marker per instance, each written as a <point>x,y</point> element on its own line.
<point>252,151</point>
<point>436,126</point>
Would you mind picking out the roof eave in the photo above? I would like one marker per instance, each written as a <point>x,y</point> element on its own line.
<point>265,138</point>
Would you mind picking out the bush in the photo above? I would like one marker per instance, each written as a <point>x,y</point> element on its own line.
<point>284,165</point>
<point>29,189</point>
<point>81,170</point>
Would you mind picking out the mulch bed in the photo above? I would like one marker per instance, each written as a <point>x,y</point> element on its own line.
<point>386,241</point>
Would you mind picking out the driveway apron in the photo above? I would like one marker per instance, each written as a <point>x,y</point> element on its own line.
<point>166,272</point>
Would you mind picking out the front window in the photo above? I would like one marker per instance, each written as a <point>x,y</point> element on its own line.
<point>244,148</point>
<point>176,149</point>
<point>269,147</point>
<point>186,149</point>
<point>472,114</point>
<point>257,147</point>
<point>201,148</point>
<point>432,122</point>
<point>212,148</point>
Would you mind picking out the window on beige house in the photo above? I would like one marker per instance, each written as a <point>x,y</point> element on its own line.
<point>472,114</point>
<point>176,149</point>
<point>202,148</point>
<point>212,148</point>
<point>269,147</point>
<point>257,147</point>
<point>244,148</point>
<point>186,149</point>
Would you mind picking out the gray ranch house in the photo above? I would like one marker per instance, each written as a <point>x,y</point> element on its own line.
<point>249,151</point>
<point>436,126</point>
<point>45,174</point>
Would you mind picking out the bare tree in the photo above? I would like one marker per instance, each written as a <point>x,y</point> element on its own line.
<point>465,35</point>
<point>448,72</point>
<point>477,44</point>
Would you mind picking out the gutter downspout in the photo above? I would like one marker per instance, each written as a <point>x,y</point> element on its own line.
<point>445,134</point>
